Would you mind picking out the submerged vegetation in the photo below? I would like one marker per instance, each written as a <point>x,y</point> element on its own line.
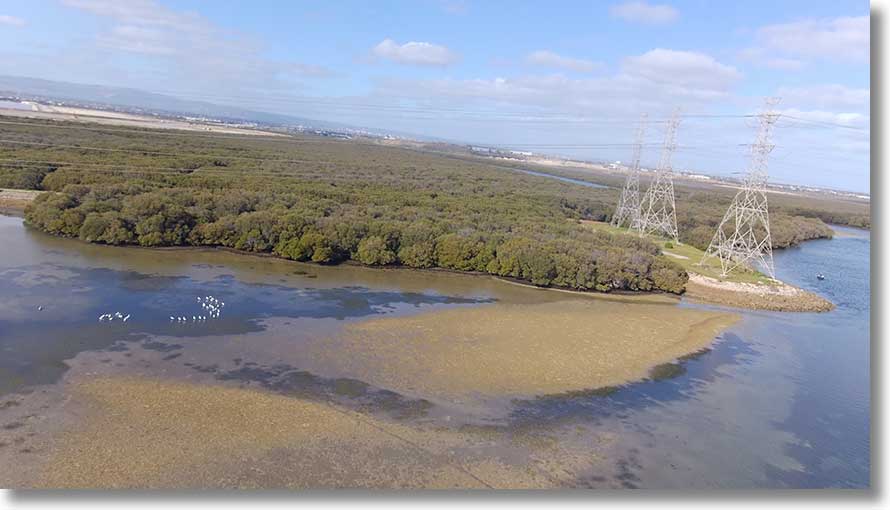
<point>329,201</point>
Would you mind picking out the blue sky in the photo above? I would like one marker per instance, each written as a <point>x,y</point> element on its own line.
<point>563,77</point>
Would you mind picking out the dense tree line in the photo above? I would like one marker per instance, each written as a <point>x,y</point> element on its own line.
<point>315,228</point>
<point>703,205</point>
<point>24,176</point>
<point>331,201</point>
<point>325,202</point>
<point>699,214</point>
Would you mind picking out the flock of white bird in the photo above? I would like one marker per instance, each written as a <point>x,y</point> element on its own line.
<point>209,304</point>
<point>113,316</point>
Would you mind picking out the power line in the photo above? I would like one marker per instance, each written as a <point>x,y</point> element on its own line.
<point>749,241</point>
<point>658,210</point>
<point>825,123</point>
<point>628,209</point>
<point>352,104</point>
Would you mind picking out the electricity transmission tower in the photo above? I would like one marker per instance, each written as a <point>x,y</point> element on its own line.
<point>743,237</point>
<point>628,210</point>
<point>658,214</point>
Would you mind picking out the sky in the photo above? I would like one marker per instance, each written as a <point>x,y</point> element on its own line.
<point>562,77</point>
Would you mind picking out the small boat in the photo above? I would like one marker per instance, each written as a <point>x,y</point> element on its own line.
<point>820,276</point>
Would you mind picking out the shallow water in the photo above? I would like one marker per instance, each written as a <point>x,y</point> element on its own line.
<point>569,180</point>
<point>780,400</point>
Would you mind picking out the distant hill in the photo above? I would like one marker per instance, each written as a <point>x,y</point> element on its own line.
<point>100,95</point>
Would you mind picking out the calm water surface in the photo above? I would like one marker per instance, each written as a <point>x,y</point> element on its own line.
<point>569,180</point>
<point>780,400</point>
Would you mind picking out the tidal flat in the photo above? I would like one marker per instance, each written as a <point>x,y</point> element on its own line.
<point>318,377</point>
<point>519,350</point>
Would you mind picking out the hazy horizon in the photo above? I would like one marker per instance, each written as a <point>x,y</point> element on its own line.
<point>569,81</point>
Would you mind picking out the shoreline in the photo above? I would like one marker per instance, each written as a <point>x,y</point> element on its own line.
<point>713,292</point>
<point>777,298</point>
<point>699,288</point>
<point>14,201</point>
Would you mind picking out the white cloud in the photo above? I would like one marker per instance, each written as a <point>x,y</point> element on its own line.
<point>547,58</point>
<point>826,97</point>
<point>682,68</point>
<point>142,12</point>
<point>139,39</point>
<point>839,39</point>
<point>784,64</point>
<point>642,12</point>
<point>416,53</point>
<point>455,6</point>
<point>848,119</point>
<point>762,57</point>
<point>654,81</point>
<point>185,48</point>
<point>12,21</point>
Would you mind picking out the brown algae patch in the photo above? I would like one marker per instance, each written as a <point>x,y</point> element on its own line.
<point>147,433</point>
<point>518,350</point>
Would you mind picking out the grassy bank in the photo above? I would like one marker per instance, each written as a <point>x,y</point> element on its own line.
<point>690,258</point>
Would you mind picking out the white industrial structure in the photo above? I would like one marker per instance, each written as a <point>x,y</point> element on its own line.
<point>658,213</point>
<point>743,236</point>
<point>628,210</point>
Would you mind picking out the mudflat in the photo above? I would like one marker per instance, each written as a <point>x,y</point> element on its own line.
<point>149,433</point>
<point>504,350</point>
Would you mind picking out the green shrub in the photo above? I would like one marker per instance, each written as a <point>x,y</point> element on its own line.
<point>373,251</point>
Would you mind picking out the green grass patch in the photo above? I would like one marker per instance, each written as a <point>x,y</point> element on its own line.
<point>689,257</point>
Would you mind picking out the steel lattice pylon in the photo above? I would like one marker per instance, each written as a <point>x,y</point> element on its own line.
<point>743,237</point>
<point>628,210</point>
<point>658,213</point>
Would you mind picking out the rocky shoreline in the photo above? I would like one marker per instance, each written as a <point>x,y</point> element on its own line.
<point>779,297</point>
<point>14,201</point>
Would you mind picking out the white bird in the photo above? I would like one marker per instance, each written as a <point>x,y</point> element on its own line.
<point>171,318</point>
<point>222,303</point>
<point>118,315</point>
<point>126,317</point>
<point>40,308</point>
